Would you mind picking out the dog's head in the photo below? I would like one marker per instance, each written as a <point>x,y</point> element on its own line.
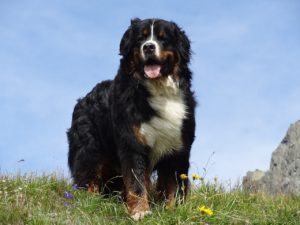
<point>154,48</point>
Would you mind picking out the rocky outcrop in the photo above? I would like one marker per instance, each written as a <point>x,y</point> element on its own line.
<point>284,173</point>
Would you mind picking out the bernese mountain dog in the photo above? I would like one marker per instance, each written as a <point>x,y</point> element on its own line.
<point>140,122</point>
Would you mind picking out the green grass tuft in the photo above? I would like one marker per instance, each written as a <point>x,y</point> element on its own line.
<point>41,200</point>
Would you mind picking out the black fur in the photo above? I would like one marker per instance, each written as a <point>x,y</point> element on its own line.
<point>103,149</point>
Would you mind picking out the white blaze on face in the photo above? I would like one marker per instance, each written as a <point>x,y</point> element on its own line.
<point>151,40</point>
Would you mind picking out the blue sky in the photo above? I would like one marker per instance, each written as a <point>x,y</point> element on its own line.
<point>246,66</point>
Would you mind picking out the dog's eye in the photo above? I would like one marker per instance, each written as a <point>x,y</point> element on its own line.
<point>140,38</point>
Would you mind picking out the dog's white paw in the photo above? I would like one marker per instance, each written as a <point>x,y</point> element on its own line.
<point>140,215</point>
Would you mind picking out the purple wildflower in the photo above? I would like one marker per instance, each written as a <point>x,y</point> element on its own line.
<point>75,187</point>
<point>68,195</point>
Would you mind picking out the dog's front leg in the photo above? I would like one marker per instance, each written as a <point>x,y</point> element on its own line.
<point>170,183</point>
<point>136,179</point>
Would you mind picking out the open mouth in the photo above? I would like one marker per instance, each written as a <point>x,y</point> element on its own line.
<point>152,71</point>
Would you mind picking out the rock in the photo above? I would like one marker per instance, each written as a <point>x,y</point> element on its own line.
<point>252,180</point>
<point>284,173</point>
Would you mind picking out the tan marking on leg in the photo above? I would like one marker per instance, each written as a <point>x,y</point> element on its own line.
<point>167,187</point>
<point>138,205</point>
<point>93,188</point>
<point>170,193</point>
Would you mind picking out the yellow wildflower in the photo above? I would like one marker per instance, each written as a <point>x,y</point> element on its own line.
<point>196,177</point>
<point>183,176</point>
<point>205,210</point>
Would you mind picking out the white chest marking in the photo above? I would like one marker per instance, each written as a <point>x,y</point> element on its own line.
<point>163,132</point>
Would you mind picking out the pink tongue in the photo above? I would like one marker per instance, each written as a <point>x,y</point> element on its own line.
<point>152,71</point>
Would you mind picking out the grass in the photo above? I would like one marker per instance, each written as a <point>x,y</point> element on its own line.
<point>42,200</point>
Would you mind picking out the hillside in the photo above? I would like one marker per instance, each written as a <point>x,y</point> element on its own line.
<point>52,200</point>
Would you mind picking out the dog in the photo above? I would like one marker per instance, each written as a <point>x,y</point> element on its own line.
<point>140,122</point>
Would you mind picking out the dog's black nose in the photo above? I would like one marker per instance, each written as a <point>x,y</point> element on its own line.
<point>149,48</point>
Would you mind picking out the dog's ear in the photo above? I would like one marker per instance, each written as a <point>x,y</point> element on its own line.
<point>135,21</point>
<point>126,42</point>
<point>184,43</point>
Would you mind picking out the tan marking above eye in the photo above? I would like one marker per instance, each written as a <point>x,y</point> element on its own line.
<point>145,33</point>
<point>161,34</point>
